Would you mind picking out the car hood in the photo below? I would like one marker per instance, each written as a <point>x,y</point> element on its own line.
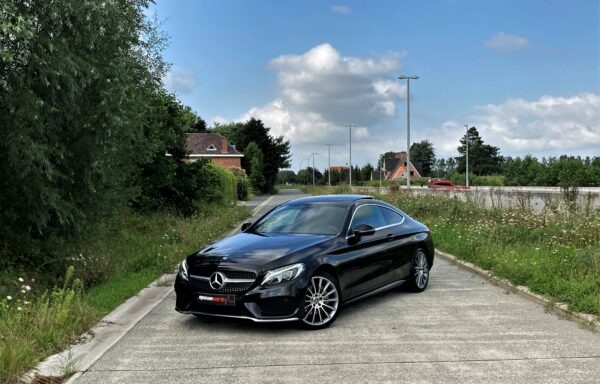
<point>258,250</point>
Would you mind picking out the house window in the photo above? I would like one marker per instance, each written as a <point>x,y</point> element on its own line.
<point>211,148</point>
<point>412,173</point>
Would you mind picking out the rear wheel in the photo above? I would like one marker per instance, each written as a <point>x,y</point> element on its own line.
<point>419,274</point>
<point>321,302</point>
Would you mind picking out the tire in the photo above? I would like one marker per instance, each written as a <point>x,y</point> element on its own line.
<point>419,271</point>
<point>321,302</point>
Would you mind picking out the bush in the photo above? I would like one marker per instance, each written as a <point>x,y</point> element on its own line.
<point>214,184</point>
<point>243,183</point>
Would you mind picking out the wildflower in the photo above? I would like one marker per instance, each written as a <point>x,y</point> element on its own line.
<point>26,302</point>
<point>22,291</point>
<point>27,288</point>
<point>20,279</point>
<point>9,298</point>
<point>19,309</point>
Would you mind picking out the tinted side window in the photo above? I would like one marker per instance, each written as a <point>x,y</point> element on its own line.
<point>368,214</point>
<point>390,216</point>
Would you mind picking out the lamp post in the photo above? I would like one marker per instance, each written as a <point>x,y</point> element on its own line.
<point>408,78</point>
<point>350,162</point>
<point>467,153</point>
<point>313,167</point>
<point>329,163</point>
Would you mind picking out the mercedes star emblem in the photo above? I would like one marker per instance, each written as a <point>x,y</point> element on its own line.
<point>217,281</point>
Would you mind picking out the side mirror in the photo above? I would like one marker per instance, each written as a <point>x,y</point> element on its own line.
<point>246,226</point>
<point>363,230</point>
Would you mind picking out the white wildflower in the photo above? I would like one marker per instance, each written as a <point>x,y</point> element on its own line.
<point>27,288</point>
<point>9,298</point>
<point>21,280</point>
<point>19,309</point>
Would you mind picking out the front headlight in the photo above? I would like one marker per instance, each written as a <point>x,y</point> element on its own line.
<point>280,275</point>
<point>183,270</point>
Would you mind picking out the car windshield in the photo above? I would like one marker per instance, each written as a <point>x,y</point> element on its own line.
<point>314,219</point>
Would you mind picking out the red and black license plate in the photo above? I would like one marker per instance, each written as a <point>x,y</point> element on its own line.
<point>216,299</point>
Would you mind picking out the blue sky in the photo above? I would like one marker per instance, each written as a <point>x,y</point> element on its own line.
<point>526,73</point>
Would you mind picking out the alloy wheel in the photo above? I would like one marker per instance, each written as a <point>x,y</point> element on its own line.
<point>421,270</point>
<point>321,301</point>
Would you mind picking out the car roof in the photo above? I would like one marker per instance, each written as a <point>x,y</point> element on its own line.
<point>330,199</point>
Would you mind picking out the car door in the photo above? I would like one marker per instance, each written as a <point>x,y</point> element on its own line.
<point>399,249</point>
<point>364,258</point>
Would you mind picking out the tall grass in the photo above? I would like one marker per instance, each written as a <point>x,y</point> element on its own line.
<point>113,262</point>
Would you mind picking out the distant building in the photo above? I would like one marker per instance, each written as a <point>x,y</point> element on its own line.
<point>395,169</point>
<point>339,168</point>
<point>214,147</point>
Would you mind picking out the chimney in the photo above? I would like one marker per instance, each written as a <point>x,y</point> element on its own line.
<point>224,145</point>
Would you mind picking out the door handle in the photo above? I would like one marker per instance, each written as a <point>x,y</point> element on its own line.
<point>390,237</point>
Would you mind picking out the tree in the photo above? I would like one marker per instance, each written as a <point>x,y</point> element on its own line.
<point>305,176</point>
<point>484,159</point>
<point>365,172</point>
<point>276,150</point>
<point>75,79</point>
<point>255,158</point>
<point>286,177</point>
<point>423,153</point>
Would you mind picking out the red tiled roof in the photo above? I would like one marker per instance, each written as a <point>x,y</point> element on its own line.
<point>199,144</point>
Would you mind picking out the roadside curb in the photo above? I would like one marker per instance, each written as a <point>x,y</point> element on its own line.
<point>588,321</point>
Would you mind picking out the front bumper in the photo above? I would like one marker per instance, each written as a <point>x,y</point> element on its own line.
<point>260,304</point>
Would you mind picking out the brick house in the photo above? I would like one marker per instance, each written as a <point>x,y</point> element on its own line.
<point>395,168</point>
<point>214,147</point>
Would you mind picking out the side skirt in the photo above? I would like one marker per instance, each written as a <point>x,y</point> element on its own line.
<point>377,291</point>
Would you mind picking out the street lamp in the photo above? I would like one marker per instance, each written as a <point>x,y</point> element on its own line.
<point>408,78</point>
<point>467,159</point>
<point>329,163</point>
<point>350,162</point>
<point>313,167</point>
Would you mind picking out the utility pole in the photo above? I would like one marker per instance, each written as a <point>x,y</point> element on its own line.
<point>329,163</point>
<point>313,167</point>
<point>467,157</point>
<point>408,78</point>
<point>350,162</point>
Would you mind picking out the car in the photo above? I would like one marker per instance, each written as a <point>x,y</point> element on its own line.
<point>444,184</point>
<point>306,258</point>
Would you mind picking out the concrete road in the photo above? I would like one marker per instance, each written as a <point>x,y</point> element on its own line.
<point>460,330</point>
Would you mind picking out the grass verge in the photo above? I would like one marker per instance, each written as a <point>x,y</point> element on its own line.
<point>108,265</point>
<point>555,254</point>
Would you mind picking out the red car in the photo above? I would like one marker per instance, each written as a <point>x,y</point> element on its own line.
<point>444,184</point>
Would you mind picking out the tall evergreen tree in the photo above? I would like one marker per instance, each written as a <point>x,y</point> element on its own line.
<point>484,159</point>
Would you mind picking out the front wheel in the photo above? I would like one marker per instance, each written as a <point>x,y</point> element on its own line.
<point>321,302</point>
<point>419,273</point>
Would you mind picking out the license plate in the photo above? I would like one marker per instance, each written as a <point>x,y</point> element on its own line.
<point>218,299</point>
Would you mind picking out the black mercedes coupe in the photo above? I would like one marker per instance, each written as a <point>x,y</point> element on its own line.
<point>304,259</point>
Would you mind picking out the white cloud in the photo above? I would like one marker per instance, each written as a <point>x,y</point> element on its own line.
<point>180,80</point>
<point>341,9</point>
<point>219,120</point>
<point>321,90</point>
<point>548,125</point>
<point>503,42</point>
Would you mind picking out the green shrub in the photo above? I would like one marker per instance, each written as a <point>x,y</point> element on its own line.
<point>214,184</point>
<point>243,183</point>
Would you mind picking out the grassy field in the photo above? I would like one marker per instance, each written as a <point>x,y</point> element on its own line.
<point>112,263</point>
<point>555,254</point>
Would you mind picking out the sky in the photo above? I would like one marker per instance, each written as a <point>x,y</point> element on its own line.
<point>525,73</point>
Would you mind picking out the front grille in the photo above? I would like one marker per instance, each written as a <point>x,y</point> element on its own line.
<point>239,274</point>
<point>200,276</point>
